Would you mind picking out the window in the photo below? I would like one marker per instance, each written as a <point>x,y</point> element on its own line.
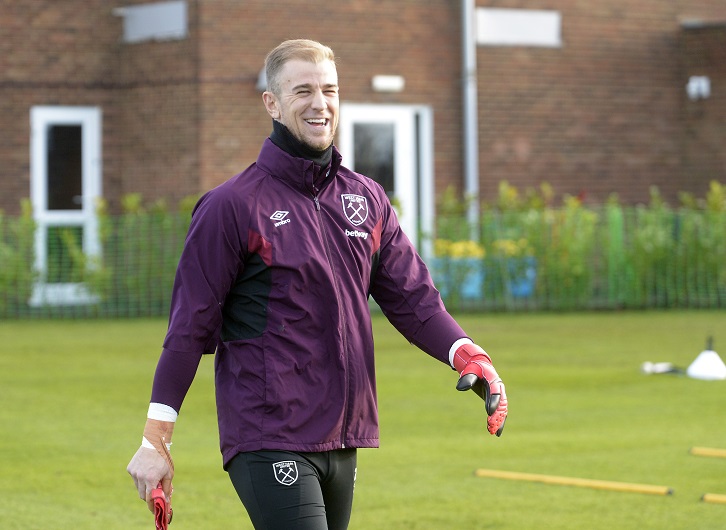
<point>65,154</point>
<point>374,152</point>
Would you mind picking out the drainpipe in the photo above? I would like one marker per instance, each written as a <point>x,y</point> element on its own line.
<point>470,122</point>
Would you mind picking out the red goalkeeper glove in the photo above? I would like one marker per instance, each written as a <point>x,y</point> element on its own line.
<point>162,508</point>
<point>477,373</point>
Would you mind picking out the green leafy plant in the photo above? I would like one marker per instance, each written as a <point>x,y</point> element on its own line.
<point>17,256</point>
<point>143,250</point>
<point>565,255</point>
<point>573,255</point>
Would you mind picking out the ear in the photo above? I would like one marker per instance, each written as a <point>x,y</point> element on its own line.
<point>271,105</point>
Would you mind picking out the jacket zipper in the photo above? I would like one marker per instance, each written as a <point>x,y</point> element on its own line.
<point>344,330</point>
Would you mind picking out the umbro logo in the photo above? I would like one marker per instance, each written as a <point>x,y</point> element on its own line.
<point>280,216</point>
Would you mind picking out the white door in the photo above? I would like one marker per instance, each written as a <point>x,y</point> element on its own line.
<point>393,145</point>
<point>65,183</point>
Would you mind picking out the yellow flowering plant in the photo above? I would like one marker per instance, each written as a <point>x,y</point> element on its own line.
<point>512,248</point>
<point>445,248</point>
<point>459,269</point>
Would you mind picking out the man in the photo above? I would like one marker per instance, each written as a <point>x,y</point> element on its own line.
<point>275,276</point>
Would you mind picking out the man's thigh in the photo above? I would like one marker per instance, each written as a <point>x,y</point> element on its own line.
<point>282,490</point>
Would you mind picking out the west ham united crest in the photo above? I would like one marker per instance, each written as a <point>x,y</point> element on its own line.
<point>355,208</point>
<point>285,472</point>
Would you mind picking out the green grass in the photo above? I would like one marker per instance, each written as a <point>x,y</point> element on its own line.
<point>73,397</point>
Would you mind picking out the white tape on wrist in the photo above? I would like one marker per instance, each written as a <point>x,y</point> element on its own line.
<point>161,412</point>
<point>146,443</point>
<point>456,346</point>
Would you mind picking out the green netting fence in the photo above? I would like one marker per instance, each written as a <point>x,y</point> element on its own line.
<point>526,255</point>
<point>131,274</point>
<point>576,258</point>
<point>536,258</point>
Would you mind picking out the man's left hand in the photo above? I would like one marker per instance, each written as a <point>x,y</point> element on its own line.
<point>477,373</point>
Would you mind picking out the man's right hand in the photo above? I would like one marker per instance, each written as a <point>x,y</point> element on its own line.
<point>152,463</point>
<point>148,468</point>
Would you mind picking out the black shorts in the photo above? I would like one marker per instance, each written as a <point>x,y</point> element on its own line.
<point>284,490</point>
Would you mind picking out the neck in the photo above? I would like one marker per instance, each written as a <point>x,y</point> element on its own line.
<point>284,139</point>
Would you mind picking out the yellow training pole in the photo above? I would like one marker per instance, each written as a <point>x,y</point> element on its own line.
<point>708,451</point>
<point>580,482</point>
<point>714,497</point>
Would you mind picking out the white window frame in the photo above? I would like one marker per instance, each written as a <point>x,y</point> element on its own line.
<point>41,118</point>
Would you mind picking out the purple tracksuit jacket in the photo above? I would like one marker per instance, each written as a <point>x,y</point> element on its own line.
<point>275,277</point>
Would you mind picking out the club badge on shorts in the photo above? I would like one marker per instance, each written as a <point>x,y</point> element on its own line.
<point>355,208</point>
<point>285,472</point>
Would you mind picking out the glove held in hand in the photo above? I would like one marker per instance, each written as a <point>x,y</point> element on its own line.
<point>162,509</point>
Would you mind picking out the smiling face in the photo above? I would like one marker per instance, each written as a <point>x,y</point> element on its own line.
<point>306,101</point>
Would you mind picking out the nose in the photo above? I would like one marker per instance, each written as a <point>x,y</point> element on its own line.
<point>319,101</point>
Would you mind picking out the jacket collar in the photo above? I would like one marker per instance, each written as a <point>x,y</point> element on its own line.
<point>300,173</point>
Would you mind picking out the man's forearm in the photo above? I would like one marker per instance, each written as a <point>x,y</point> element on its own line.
<point>174,375</point>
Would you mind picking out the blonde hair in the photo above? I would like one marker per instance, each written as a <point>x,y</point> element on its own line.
<point>301,49</point>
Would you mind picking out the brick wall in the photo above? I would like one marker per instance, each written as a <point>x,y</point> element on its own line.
<point>158,106</point>
<point>704,130</point>
<point>419,40</point>
<point>605,113</point>
<point>70,53</point>
<point>51,53</point>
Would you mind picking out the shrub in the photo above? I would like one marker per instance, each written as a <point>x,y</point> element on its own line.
<point>17,257</point>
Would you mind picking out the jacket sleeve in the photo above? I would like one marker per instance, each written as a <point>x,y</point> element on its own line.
<point>209,263</point>
<point>403,288</point>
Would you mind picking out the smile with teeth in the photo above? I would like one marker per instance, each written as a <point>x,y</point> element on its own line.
<point>317,121</point>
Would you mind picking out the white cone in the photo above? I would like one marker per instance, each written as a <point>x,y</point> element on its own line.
<point>708,365</point>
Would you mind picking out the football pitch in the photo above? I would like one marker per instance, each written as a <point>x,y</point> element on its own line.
<point>74,393</point>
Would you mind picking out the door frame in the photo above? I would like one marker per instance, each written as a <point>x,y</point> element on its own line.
<point>41,118</point>
<point>413,163</point>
